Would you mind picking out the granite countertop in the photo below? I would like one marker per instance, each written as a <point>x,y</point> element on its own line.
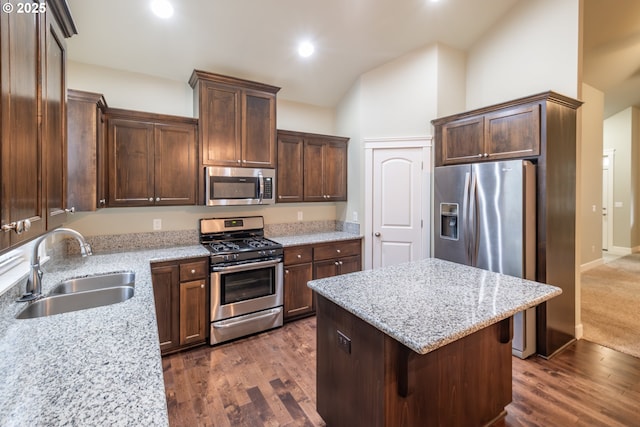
<point>306,239</point>
<point>429,303</point>
<point>99,366</point>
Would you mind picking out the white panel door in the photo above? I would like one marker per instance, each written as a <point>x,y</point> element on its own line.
<point>397,206</point>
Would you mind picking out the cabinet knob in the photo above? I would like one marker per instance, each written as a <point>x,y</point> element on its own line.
<point>202,286</point>
<point>299,256</point>
<point>338,250</point>
<point>486,155</point>
<point>377,234</point>
<point>151,199</point>
<point>71,210</point>
<point>340,262</point>
<point>280,197</point>
<point>11,226</point>
<point>238,160</point>
<point>244,161</point>
<point>336,263</point>
<point>480,155</point>
<point>26,224</point>
<point>193,271</point>
<point>286,272</point>
<point>102,202</point>
<point>157,199</point>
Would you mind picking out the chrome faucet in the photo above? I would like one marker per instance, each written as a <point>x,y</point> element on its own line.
<point>34,282</point>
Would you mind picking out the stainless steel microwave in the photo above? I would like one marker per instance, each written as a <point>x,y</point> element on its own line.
<point>239,186</point>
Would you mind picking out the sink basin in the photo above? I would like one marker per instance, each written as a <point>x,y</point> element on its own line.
<point>95,282</point>
<point>64,303</point>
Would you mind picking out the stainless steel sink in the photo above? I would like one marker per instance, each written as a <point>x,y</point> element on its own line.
<point>95,282</point>
<point>64,303</point>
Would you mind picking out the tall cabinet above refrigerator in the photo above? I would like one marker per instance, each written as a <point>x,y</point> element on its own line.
<point>485,216</point>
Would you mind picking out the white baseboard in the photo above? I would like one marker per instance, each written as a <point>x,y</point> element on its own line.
<point>619,250</point>
<point>579,331</point>
<point>591,264</point>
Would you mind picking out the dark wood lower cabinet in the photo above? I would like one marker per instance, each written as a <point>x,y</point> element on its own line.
<point>378,381</point>
<point>181,293</point>
<point>315,261</point>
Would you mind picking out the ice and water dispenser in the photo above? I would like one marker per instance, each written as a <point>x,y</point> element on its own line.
<point>449,221</point>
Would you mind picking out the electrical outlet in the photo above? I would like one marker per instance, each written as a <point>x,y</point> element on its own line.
<point>344,342</point>
<point>157,224</point>
<point>299,215</point>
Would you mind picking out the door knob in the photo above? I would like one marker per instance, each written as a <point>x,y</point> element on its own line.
<point>377,234</point>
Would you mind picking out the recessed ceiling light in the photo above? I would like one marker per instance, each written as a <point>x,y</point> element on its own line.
<point>305,49</point>
<point>162,8</point>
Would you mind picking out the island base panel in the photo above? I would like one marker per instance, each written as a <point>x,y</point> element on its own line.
<point>381,382</point>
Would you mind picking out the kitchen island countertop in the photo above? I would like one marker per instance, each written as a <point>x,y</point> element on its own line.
<point>99,366</point>
<point>430,303</point>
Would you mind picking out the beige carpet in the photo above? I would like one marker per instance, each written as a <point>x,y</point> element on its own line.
<point>611,305</point>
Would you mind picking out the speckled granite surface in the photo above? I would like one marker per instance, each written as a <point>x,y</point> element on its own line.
<point>430,303</point>
<point>96,367</point>
<point>305,239</point>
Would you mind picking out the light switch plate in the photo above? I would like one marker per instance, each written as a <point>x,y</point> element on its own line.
<point>157,224</point>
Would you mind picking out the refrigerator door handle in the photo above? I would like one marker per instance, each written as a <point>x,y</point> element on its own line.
<point>473,221</point>
<point>465,215</point>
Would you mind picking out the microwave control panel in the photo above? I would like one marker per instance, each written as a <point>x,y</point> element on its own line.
<point>268,188</point>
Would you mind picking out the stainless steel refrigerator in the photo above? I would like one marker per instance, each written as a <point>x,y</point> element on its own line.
<point>485,216</point>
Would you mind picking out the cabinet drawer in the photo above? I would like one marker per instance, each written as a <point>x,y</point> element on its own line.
<point>298,255</point>
<point>335,250</point>
<point>194,270</point>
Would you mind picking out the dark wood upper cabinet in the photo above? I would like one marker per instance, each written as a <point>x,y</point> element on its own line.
<point>311,167</point>
<point>507,131</point>
<point>151,159</point>
<point>237,120</point>
<point>32,121</point>
<point>86,150</point>
<point>289,180</point>
<point>54,121</point>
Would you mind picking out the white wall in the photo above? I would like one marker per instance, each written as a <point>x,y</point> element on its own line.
<point>451,81</point>
<point>590,207</point>
<point>132,91</point>
<point>305,118</point>
<point>534,48</point>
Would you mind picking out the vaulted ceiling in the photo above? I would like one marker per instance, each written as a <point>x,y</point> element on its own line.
<point>257,40</point>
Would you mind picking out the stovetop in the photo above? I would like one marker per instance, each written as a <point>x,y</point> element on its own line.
<point>234,239</point>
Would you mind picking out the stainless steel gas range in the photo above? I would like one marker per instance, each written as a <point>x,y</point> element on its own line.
<point>246,277</point>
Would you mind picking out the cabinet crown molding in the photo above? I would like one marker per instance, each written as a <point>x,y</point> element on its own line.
<point>198,75</point>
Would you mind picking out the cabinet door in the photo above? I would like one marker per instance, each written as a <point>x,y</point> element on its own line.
<point>323,269</point>
<point>290,161</point>
<point>258,129</point>
<point>54,122</point>
<point>20,160</point>
<point>193,317</point>
<point>175,165</point>
<point>350,264</point>
<point>165,281</point>
<point>131,163</point>
<point>335,171</point>
<point>86,176</point>
<point>514,132</point>
<point>298,297</point>
<point>314,171</point>
<point>220,124</point>
<point>463,141</point>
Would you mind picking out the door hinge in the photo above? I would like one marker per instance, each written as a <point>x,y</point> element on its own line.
<point>421,223</point>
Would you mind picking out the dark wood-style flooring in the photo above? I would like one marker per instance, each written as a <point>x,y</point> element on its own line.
<point>269,380</point>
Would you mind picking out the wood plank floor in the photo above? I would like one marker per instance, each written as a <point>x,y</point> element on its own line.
<point>269,380</point>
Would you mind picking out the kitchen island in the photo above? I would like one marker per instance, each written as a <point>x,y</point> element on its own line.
<point>418,344</point>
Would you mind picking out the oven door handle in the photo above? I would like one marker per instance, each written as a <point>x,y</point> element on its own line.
<point>246,319</point>
<point>246,267</point>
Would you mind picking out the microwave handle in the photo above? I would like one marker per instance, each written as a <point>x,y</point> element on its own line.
<point>261,180</point>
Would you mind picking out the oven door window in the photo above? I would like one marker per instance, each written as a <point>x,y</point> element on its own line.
<point>234,187</point>
<point>247,285</point>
